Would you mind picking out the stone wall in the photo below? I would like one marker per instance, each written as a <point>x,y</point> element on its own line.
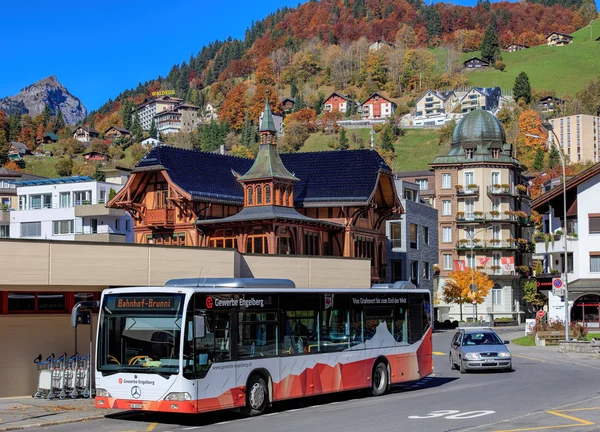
<point>579,347</point>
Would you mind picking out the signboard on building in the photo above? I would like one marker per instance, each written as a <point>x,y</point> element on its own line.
<point>163,93</point>
<point>544,283</point>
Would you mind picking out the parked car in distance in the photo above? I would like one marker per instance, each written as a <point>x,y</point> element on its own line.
<point>479,349</point>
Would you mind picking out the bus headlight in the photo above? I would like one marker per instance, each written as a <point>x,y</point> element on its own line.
<point>100,392</point>
<point>179,396</point>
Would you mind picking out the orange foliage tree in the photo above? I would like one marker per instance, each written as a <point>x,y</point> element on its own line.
<point>305,116</point>
<point>264,72</point>
<point>530,124</point>
<point>233,110</point>
<point>457,288</point>
<point>258,102</point>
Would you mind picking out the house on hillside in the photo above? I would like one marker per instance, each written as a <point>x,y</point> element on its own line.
<point>151,142</point>
<point>85,134</point>
<point>475,63</point>
<point>47,138</point>
<point>147,110</point>
<point>277,120</point>
<point>487,99</point>
<point>549,103</point>
<point>210,112</point>
<point>288,105</point>
<point>337,102</point>
<point>17,150</point>
<point>431,109</point>
<point>95,156</point>
<point>114,133</point>
<point>558,39</point>
<point>377,107</point>
<point>515,47</point>
<point>377,45</point>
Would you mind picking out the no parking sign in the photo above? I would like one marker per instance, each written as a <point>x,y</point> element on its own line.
<point>558,287</point>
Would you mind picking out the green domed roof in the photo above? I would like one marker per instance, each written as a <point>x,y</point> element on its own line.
<point>479,127</point>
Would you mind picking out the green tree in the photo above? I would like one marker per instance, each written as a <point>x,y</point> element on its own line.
<point>125,113</point>
<point>59,124</point>
<point>532,296</point>
<point>3,147</point>
<point>553,158</point>
<point>111,194</point>
<point>387,138</point>
<point>46,115</point>
<point>446,133</point>
<point>490,47</point>
<point>320,103</point>
<point>293,88</point>
<point>300,103</point>
<point>136,129</point>
<point>538,163</point>
<point>249,133</point>
<point>153,130</point>
<point>343,140</point>
<point>522,88</point>
<point>14,126</point>
<point>64,166</point>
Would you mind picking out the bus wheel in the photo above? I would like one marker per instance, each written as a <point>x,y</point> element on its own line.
<point>256,396</point>
<point>380,379</point>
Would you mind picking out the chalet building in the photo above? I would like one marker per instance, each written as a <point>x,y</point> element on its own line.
<point>85,134</point>
<point>549,103</point>
<point>475,63</point>
<point>337,102</point>
<point>47,138</point>
<point>95,157</point>
<point>558,39</point>
<point>515,47</point>
<point>379,44</point>
<point>323,204</point>
<point>377,107</point>
<point>17,150</point>
<point>288,105</point>
<point>483,207</point>
<point>115,133</point>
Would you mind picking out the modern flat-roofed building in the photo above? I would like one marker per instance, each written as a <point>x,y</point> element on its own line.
<point>579,136</point>
<point>150,107</point>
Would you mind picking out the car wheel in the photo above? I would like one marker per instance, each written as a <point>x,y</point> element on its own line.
<point>380,379</point>
<point>452,365</point>
<point>462,367</point>
<point>256,397</point>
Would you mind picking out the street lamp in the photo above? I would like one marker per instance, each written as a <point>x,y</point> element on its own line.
<point>473,289</point>
<point>548,126</point>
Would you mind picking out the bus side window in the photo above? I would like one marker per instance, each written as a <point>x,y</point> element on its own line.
<point>357,329</point>
<point>401,324</point>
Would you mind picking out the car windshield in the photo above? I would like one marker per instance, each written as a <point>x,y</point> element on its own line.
<point>481,338</point>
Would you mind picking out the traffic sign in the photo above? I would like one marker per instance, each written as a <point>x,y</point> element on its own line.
<point>541,314</point>
<point>557,287</point>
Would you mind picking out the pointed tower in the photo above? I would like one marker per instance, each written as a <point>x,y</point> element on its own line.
<point>268,182</point>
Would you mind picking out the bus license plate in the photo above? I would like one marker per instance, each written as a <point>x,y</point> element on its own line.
<point>135,406</point>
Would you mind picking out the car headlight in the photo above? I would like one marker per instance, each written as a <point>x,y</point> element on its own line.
<point>100,392</point>
<point>504,354</point>
<point>472,356</point>
<point>179,396</point>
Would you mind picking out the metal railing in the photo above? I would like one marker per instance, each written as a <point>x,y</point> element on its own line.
<point>69,204</point>
<point>100,229</point>
<point>486,244</point>
<point>483,216</point>
<point>467,191</point>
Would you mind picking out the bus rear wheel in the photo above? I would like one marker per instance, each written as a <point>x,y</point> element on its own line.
<point>379,381</point>
<point>256,396</point>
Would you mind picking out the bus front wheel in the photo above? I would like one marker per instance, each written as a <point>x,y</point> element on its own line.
<point>380,379</point>
<point>256,396</point>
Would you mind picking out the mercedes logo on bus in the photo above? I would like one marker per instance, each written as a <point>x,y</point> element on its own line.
<point>136,392</point>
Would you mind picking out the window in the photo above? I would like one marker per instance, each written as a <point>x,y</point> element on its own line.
<point>594,223</point>
<point>311,243</point>
<point>396,235</point>
<point>469,179</point>
<point>447,234</point>
<point>117,225</point>
<point>414,272</point>
<point>31,229</point>
<point>83,197</point>
<point>258,334</point>
<point>300,325</point>
<point>63,227</point>
<point>469,153</point>
<point>423,184</point>
<point>397,270</point>
<point>495,178</point>
<point>249,194</point>
<point>40,201</point>
<point>497,296</point>
<point>257,244</point>
<point>102,199</point>
<point>446,208</point>
<point>267,194</point>
<point>413,236</point>
<point>595,262</point>
<point>425,234</point>
<point>495,153</point>
<point>446,181</point>
<point>447,261</point>
<point>469,207</point>
<point>4,231</point>
<point>65,199</point>
<point>127,226</point>
<point>32,302</point>
<point>426,271</point>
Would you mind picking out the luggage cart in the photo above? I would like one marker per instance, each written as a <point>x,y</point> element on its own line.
<point>58,376</point>
<point>82,377</point>
<point>69,372</point>
<point>44,376</point>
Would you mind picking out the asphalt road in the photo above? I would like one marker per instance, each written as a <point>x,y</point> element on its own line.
<point>545,391</point>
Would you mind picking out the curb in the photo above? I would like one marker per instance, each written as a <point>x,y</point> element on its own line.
<point>51,423</point>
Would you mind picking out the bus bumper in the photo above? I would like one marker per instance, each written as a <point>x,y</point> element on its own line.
<point>188,407</point>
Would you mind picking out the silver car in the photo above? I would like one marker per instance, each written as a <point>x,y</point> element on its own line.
<point>478,349</point>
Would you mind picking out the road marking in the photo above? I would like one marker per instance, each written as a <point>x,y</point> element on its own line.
<point>438,353</point>
<point>193,428</point>
<point>529,358</point>
<point>559,413</point>
<point>151,427</point>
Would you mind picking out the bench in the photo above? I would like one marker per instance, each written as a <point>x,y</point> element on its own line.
<point>547,338</point>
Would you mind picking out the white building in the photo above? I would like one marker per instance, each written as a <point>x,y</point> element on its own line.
<point>70,208</point>
<point>432,108</point>
<point>148,110</point>
<point>583,244</point>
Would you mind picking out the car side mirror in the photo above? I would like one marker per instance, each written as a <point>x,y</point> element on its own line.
<point>199,326</point>
<point>506,342</point>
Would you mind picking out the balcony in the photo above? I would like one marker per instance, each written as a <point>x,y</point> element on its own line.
<point>4,216</point>
<point>470,191</point>
<point>508,216</point>
<point>486,245</point>
<point>554,243</point>
<point>102,234</point>
<point>161,217</point>
<point>86,208</point>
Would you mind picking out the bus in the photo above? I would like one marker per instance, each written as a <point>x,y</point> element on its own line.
<point>200,345</point>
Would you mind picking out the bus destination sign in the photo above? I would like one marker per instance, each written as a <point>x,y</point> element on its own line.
<point>145,303</point>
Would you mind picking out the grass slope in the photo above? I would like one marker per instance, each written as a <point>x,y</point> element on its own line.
<point>414,150</point>
<point>559,69</point>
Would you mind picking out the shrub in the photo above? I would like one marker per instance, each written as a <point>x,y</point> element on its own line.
<point>499,65</point>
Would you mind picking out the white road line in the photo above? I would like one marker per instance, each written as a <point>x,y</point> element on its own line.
<point>223,422</point>
<point>192,428</point>
<point>270,414</point>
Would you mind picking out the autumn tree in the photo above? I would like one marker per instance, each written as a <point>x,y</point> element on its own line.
<point>241,151</point>
<point>257,103</point>
<point>406,37</point>
<point>4,133</point>
<point>458,287</point>
<point>264,72</point>
<point>532,136</point>
<point>522,88</point>
<point>137,151</point>
<point>305,116</point>
<point>295,136</point>
<point>233,109</point>
<point>532,295</point>
<point>64,167</point>
<point>376,68</point>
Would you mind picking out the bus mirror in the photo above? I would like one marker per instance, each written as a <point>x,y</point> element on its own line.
<point>199,330</point>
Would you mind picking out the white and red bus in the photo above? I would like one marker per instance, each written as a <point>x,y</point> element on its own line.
<point>198,345</point>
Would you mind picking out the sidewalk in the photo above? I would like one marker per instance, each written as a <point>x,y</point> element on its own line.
<point>30,413</point>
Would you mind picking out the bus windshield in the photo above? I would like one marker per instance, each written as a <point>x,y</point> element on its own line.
<point>140,332</point>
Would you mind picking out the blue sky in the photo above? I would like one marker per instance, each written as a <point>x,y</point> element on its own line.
<point>99,48</point>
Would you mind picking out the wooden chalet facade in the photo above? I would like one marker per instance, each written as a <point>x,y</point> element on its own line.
<point>322,204</point>
<point>377,107</point>
<point>475,63</point>
<point>337,102</point>
<point>115,132</point>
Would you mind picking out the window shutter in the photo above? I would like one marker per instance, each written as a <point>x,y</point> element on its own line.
<point>594,221</point>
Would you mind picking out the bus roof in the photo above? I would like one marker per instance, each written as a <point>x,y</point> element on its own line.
<point>232,283</point>
<point>234,290</point>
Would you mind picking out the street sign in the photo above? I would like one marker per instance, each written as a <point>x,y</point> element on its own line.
<point>557,287</point>
<point>541,314</point>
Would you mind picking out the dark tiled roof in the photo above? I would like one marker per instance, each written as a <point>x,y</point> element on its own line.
<point>269,212</point>
<point>51,135</point>
<point>119,129</point>
<point>19,146</point>
<point>344,177</point>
